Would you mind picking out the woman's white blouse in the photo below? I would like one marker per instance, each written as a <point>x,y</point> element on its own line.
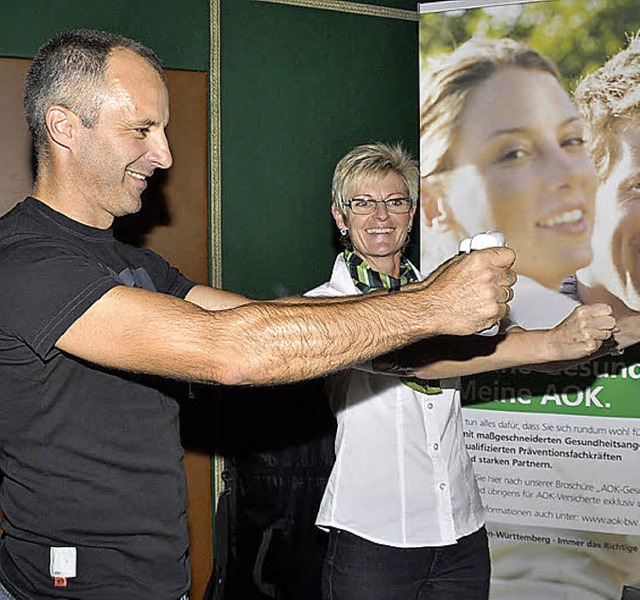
<point>402,475</point>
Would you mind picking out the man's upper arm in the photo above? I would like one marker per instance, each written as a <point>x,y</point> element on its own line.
<point>46,288</point>
<point>133,329</point>
<point>51,284</point>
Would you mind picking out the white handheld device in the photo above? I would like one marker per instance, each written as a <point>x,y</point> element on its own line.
<point>480,241</point>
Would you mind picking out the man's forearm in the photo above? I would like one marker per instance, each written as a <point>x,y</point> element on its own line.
<point>286,342</point>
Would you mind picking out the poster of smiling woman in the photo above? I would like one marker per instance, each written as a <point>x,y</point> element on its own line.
<point>530,125</point>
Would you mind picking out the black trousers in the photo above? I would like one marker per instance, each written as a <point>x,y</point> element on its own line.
<point>357,569</point>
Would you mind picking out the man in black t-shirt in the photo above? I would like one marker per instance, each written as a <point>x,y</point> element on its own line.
<point>94,494</point>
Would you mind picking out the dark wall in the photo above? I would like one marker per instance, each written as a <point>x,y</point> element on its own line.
<point>178,31</point>
<point>300,87</point>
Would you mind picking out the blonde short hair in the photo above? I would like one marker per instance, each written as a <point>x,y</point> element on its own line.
<point>372,161</point>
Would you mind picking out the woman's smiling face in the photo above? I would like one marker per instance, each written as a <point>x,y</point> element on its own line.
<point>379,237</point>
<point>521,140</point>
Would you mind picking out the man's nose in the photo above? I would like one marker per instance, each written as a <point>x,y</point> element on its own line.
<point>161,153</point>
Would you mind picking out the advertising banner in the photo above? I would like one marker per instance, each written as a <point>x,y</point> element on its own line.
<point>530,125</point>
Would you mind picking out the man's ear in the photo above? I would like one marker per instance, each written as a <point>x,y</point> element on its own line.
<point>433,202</point>
<point>61,125</point>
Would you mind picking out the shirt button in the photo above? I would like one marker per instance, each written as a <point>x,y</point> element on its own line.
<point>430,405</point>
<point>443,486</point>
<point>436,446</point>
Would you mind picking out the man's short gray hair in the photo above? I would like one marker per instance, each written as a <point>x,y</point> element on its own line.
<point>69,70</point>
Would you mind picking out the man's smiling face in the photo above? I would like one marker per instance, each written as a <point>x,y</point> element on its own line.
<point>128,142</point>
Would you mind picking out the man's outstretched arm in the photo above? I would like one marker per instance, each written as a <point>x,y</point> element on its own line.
<point>271,342</point>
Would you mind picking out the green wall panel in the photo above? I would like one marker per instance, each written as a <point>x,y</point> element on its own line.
<point>299,88</point>
<point>178,31</point>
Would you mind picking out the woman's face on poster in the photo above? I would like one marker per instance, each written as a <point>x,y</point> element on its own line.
<point>520,144</point>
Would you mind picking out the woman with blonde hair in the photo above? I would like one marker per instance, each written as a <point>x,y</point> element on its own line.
<point>402,505</point>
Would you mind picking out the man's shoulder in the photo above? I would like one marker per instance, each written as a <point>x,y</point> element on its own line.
<point>22,222</point>
<point>12,219</point>
<point>27,240</point>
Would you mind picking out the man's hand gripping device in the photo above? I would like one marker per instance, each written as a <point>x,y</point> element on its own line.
<point>480,241</point>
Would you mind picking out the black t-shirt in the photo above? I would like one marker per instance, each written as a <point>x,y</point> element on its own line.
<point>91,457</point>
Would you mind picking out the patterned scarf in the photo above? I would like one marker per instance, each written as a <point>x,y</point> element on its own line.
<point>367,280</point>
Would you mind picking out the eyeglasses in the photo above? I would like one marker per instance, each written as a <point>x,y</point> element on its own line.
<point>367,206</point>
